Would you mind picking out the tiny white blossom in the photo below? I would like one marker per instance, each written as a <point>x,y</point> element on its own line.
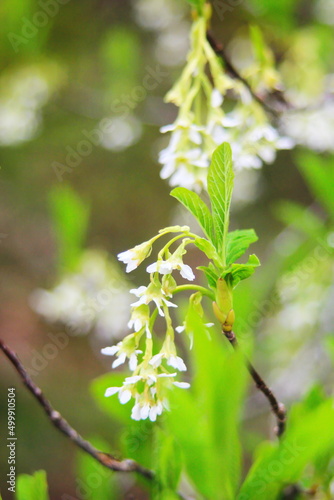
<point>124,395</point>
<point>167,267</point>
<point>123,352</point>
<point>216,98</point>
<point>171,358</point>
<point>177,362</point>
<point>135,256</point>
<point>151,293</point>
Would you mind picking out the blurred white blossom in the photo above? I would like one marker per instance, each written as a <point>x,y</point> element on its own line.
<point>23,93</point>
<point>324,11</point>
<point>120,133</point>
<point>94,297</point>
<point>313,127</point>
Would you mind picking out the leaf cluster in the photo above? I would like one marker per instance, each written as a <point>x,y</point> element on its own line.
<point>222,247</point>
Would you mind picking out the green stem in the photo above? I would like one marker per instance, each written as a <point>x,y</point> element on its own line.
<point>198,288</point>
<point>166,247</point>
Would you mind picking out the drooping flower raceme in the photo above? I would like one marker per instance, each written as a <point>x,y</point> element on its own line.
<point>202,124</point>
<point>151,371</point>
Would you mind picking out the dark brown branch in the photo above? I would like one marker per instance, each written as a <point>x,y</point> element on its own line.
<point>277,408</point>
<point>62,425</point>
<point>278,102</point>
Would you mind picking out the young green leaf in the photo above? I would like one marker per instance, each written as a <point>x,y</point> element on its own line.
<point>260,49</point>
<point>70,216</point>
<point>220,187</point>
<point>196,207</point>
<point>197,4</point>
<point>319,174</point>
<point>208,248</point>
<point>32,487</point>
<point>211,274</point>
<point>237,244</point>
<point>243,271</point>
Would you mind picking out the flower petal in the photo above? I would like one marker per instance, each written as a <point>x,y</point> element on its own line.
<point>111,391</point>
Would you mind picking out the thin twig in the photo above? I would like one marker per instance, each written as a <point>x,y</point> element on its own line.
<point>278,101</point>
<point>277,408</point>
<point>62,425</point>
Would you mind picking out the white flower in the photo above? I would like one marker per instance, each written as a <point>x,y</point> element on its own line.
<point>142,411</point>
<point>173,262</point>
<point>123,352</point>
<point>150,402</point>
<point>216,98</point>
<point>177,362</point>
<point>124,394</point>
<point>180,127</point>
<point>168,352</point>
<point>135,256</point>
<point>151,293</point>
<point>167,267</point>
<point>140,318</point>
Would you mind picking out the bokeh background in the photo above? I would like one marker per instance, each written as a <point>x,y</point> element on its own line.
<point>67,188</point>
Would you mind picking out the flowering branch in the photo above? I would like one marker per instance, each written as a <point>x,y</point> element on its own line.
<point>278,102</point>
<point>277,408</point>
<point>63,426</point>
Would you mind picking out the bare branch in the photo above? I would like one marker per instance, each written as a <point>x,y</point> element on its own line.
<point>277,408</point>
<point>62,425</point>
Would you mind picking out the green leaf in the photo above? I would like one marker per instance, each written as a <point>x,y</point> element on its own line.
<point>241,272</point>
<point>32,487</point>
<point>218,407</point>
<point>220,187</point>
<point>319,174</point>
<point>70,216</point>
<point>211,274</point>
<point>168,460</point>
<point>304,441</point>
<point>197,208</point>
<point>207,247</point>
<point>237,244</point>
<point>258,43</point>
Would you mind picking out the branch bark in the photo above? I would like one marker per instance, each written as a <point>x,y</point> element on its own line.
<point>277,408</point>
<point>63,426</point>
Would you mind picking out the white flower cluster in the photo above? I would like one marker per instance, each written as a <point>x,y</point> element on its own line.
<point>94,297</point>
<point>313,127</point>
<point>151,378</point>
<point>202,124</point>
